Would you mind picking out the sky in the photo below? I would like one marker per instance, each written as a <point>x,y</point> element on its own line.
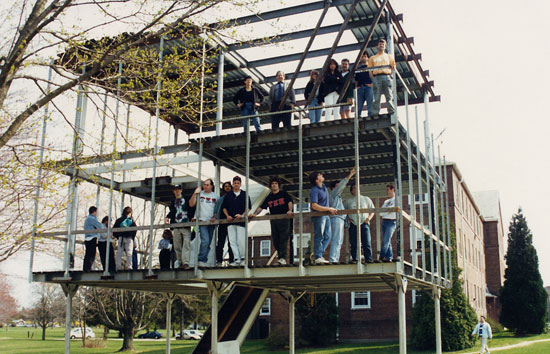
<point>493,100</point>
<point>492,103</point>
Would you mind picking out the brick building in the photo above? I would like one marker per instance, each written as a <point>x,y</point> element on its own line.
<point>477,223</point>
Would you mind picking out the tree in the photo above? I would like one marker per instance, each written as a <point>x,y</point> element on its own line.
<point>318,316</point>
<point>522,297</point>
<point>8,305</point>
<point>126,311</point>
<point>35,32</point>
<point>457,315</point>
<point>49,307</point>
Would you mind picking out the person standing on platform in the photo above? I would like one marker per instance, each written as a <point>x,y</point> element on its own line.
<point>388,225</point>
<point>234,208</point>
<point>363,223</point>
<point>125,238</point>
<point>249,99</point>
<point>279,203</point>
<point>90,240</point>
<point>314,114</point>
<point>179,210</point>
<point>332,83</point>
<point>382,78</point>
<point>337,222</point>
<point>348,96</point>
<point>363,82</point>
<point>207,212</point>
<point>165,247</point>
<point>222,228</point>
<point>102,247</point>
<point>484,332</point>
<point>319,198</point>
<point>276,93</point>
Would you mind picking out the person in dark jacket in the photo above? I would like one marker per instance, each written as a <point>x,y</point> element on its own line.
<point>234,208</point>
<point>276,94</point>
<point>317,100</point>
<point>249,99</point>
<point>348,95</point>
<point>165,247</point>
<point>332,84</point>
<point>180,212</point>
<point>222,228</point>
<point>125,238</point>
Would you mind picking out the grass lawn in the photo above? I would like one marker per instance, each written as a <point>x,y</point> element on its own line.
<point>15,341</point>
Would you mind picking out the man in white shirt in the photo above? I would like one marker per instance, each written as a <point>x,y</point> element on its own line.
<point>483,331</point>
<point>388,225</point>
<point>362,224</point>
<point>206,212</point>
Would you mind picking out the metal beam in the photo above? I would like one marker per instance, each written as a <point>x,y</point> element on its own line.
<point>169,161</point>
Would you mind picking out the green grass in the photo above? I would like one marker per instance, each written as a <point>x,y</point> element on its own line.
<point>15,341</point>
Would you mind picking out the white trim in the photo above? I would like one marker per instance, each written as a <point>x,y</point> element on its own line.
<point>262,244</point>
<point>266,304</point>
<point>360,307</point>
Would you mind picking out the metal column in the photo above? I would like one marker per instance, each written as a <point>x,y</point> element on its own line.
<point>219,113</point>
<point>301,197</point>
<point>357,186</point>
<point>448,221</point>
<point>421,195</point>
<point>101,141</point>
<point>401,290</point>
<point>69,290</point>
<point>169,300</point>
<point>292,321</point>
<point>437,295</point>
<point>412,203</point>
<point>428,189</point>
<point>199,172</point>
<point>155,153</point>
<point>39,176</point>
<point>443,219</point>
<point>111,182</point>
<point>436,213</point>
<point>214,324</point>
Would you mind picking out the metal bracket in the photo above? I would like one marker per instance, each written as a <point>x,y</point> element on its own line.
<point>69,289</point>
<point>401,282</point>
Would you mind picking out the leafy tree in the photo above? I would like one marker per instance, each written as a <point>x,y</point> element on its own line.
<point>523,297</point>
<point>318,316</point>
<point>457,315</point>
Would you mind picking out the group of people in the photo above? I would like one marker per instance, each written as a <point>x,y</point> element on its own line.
<point>329,230</point>
<point>94,241</point>
<point>233,205</point>
<point>370,84</point>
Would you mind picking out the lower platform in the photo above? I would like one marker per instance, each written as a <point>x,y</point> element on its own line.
<point>315,279</point>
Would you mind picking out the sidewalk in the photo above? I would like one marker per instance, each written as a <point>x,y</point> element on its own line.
<point>517,345</point>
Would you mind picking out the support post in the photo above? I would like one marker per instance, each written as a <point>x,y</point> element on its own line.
<point>421,198</point>
<point>214,324</point>
<point>155,153</point>
<point>246,205</point>
<point>39,176</point>
<point>357,186</point>
<point>219,113</point>
<point>443,219</point>
<point>199,172</point>
<point>428,188</point>
<point>169,300</point>
<point>436,214</point>
<point>448,221</point>
<point>300,197</point>
<point>69,290</point>
<point>401,290</point>
<point>101,141</point>
<point>437,296</point>
<point>412,203</point>
<point>291,321</point>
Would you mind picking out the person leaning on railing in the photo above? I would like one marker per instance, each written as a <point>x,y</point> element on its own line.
<point>337,222</point>
<point>319,198</point>
<point>363,223</point>
<point>179,210</point>
<point>388,225</point>
<point>207,198</point>
<point>249,99</point>
<point>278,202</point>
<point>314,115</point>
<point>363,82</point>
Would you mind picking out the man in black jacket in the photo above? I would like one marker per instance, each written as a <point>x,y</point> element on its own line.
<point>125,238</point>
<point>234,208</point>
<point>179,212</point>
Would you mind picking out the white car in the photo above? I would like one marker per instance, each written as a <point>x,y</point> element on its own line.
<point>192,334</point>
<point>77,333</point>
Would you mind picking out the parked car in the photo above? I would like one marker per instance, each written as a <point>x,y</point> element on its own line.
<point>191,334</point>
<point>150,335</point>
<point>77,333</point>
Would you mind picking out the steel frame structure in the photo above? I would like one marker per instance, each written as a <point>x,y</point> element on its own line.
<point>377,147</point>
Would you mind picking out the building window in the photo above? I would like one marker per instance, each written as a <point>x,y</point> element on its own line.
<point>360,300</point>
<point>265,248</point>
<point>305,243</point>
<point>265,310</point>
<point>424,198</point>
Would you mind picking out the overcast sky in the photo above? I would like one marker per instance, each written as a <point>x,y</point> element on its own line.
<point>493,103</point>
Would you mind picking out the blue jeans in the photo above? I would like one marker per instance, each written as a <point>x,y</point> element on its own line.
<point>337,231</point>
<point>206,233</point>
<point>364,93</point>
<point>315,114</point>
<point>321,234</point>
<point>248,110</point>
<point>365,241</point>
<point>388,227</point>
